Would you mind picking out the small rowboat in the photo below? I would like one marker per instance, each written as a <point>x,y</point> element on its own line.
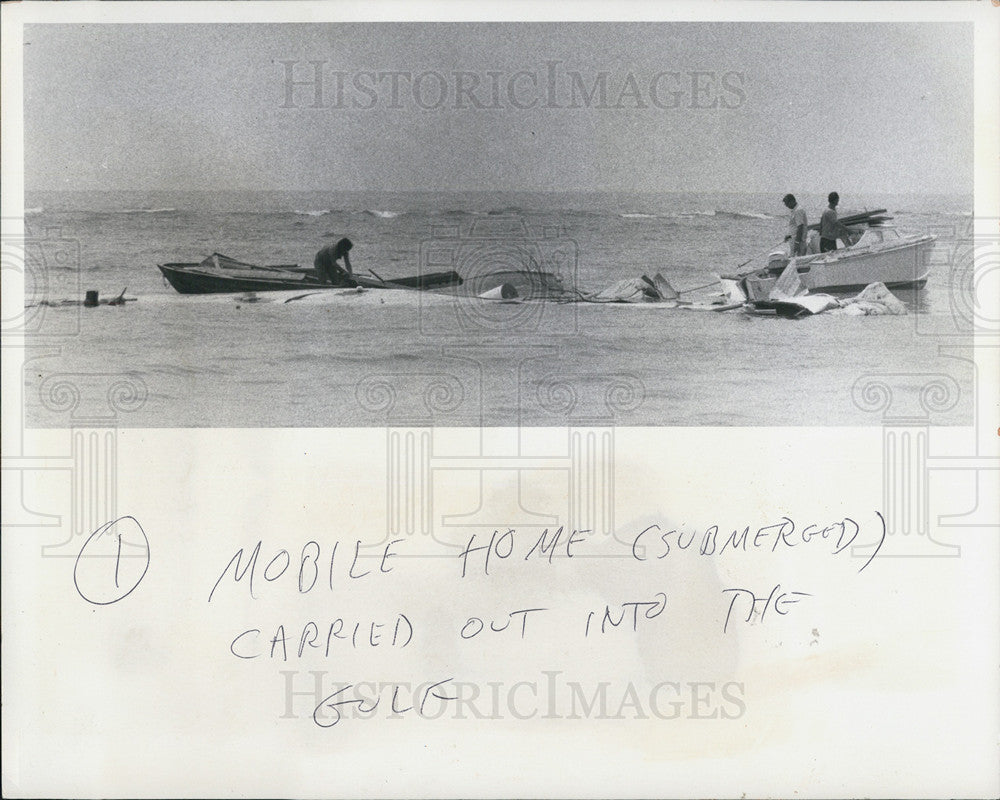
<point>219,273</point>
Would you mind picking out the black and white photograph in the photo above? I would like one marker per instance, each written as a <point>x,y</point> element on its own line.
<point>536,400</point>
<point>336,225</point>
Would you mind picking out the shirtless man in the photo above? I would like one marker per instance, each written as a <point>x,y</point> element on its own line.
<point>830,228</point>
<point>329,270</point>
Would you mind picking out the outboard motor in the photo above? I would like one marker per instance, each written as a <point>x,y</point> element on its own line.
<point>777,260</point>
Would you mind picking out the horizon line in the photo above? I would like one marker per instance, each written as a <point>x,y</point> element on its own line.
<point>242,190</point>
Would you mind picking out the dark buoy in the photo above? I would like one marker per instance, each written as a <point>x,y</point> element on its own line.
<point>91,299</point>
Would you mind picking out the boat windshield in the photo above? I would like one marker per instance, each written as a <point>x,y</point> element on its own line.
<point>874,236</point>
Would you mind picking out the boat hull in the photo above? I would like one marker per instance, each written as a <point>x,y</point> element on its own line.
<point>191,279</point>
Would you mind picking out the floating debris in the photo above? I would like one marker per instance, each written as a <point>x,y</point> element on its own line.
<point>91,299</point>
<point>875,300</point>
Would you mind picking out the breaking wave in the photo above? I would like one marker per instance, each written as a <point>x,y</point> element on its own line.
<point>717,212</point>
<point>712,212</point>
<point>745,215</point>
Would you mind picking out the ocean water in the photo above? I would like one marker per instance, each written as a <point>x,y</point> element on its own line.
<point>383,357</point>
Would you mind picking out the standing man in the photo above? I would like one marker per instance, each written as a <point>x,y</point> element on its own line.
<point>797,226</point>
<point>329,270</point>
<point>830,227</point>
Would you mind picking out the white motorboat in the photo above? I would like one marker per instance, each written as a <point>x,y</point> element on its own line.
<point>882,254</point>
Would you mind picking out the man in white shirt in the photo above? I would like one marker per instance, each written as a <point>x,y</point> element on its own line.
<point>797,226</point>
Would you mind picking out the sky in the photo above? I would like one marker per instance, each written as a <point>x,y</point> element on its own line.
<point>736,106</point>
